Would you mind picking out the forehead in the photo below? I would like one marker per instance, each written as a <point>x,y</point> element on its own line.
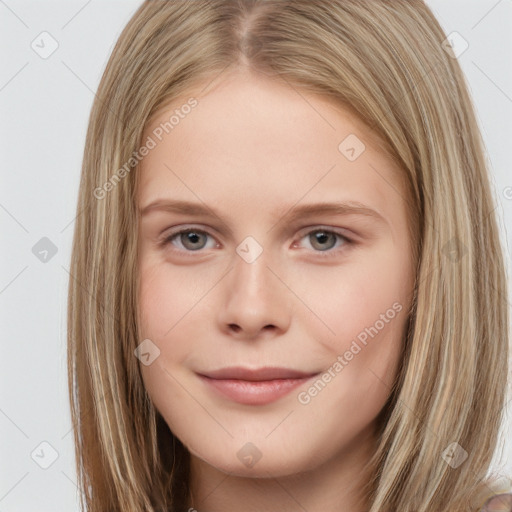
<point>249,139</point>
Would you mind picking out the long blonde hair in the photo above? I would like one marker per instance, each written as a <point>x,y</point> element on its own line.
<point>385,61</point>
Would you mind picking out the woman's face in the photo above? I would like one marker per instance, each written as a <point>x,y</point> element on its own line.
<point>273,328</point>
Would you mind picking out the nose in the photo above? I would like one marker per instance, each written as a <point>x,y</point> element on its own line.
<point>255,303</point>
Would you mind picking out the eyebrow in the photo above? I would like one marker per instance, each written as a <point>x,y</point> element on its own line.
<point>291,214</point>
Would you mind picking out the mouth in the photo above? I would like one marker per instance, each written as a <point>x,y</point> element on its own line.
<point>254,386</point>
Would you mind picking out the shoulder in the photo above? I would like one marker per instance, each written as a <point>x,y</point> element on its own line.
<point>498,503</point>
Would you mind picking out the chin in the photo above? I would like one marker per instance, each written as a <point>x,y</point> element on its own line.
<point>261,465</point>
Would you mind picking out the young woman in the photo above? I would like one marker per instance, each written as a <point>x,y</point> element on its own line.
<point>288,290</point>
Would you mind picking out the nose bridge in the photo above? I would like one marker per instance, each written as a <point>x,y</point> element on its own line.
<point>251,275</point>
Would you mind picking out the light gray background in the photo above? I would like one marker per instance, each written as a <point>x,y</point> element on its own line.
<point>45,104</point>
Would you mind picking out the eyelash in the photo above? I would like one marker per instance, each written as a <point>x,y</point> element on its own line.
<point>348,242</point>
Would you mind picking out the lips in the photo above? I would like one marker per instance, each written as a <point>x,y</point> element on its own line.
<point>254,386</point>
<point>267,373</point>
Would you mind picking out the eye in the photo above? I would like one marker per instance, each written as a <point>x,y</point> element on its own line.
<point>323,240</point>
<point>189,239</point>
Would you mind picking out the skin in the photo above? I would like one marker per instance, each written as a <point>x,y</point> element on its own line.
<point>252,149</point>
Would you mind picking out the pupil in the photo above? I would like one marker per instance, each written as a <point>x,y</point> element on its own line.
<point>192,237</point>
<point>321,237</point>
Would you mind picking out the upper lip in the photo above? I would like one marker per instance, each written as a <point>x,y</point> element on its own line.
<point>258,374</point>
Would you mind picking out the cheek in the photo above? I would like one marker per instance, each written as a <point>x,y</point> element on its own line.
<point>172,301</point>
<point>163,304</point>
<point>165,298</point>
<point>365,306</point>
<point>166,294</point>
<point>354,296</point>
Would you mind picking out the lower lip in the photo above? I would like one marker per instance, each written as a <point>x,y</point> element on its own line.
<point>254,392</point>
